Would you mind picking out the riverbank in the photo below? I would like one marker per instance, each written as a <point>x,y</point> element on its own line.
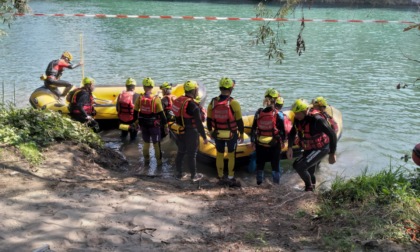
<point>78,200</point>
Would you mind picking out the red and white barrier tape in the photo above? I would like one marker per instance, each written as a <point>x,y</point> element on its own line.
<point>220,18</point>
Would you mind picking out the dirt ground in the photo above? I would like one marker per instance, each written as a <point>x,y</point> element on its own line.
<point>79,200</point>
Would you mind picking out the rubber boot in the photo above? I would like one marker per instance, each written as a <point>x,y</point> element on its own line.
<point>146,155</point>
<point>158,153</point>
<point>231,164</point>
<point>260,177</point>
<point>276,177</point>
<point>220,164</point>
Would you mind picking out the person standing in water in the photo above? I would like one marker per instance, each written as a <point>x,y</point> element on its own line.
<point>149,111</point>
<point>125,108</point>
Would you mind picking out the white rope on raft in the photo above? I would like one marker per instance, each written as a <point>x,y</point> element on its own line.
<point>211,18</point>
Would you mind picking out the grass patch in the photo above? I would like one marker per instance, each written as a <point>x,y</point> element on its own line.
<point>31,153</point>
<point>381,206</point>
<point>31,130</point>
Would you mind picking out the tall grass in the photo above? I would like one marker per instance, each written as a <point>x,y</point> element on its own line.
<point>385,205</point>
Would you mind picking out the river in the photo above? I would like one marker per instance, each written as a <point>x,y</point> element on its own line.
<point>356,66</point>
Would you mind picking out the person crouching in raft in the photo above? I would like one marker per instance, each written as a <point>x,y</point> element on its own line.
<point>125,108</point>
<point>224,120</point>
<point>188,116</point>
<point>150,118</point>
<point>317,139</point>
<point>267,136</point>
<point>81,104</point>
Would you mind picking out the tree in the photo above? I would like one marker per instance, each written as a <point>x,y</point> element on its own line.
<point>9,9</point>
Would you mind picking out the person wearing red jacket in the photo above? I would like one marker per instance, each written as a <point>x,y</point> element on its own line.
<point>315,137</point>
<point>188,115</point>
<point>82,104</point>
<point>125,108</point>
<point>54,71</point>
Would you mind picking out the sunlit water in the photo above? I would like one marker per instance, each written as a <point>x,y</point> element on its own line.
<point>355,66</point>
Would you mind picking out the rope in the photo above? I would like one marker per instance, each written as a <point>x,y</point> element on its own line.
<point>212,18</point>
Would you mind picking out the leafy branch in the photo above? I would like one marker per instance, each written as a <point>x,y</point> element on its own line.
<point>9,9</point>
<point>271,36</point>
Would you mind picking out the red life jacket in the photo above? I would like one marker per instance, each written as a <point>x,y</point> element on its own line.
<point>171,99</point>
<point>203,113</point>
<point>88,107</point>
<point>55,68</point>
<point>179,107</point>
<point>147,112</point>
<point>308,141</point>
<point>327,117</point>
<point>287,124</point>
<point>223,117</point>
<point>266,123</point>
<point>126,106</point>
<point>147,105</point>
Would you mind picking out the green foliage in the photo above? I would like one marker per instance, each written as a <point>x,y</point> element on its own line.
<point>30,152</point>
<point>367,207</point>
<point>8,9</point>
<point>42,128</point>
<point>270,32</point>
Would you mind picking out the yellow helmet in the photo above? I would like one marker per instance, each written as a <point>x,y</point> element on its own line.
<point>166,85</point>
<point>299,106</point>
<point>130,82</point>
<point>190,85</point>
<point>226,83</point>
<point>67,55</point>
<point>271,92</point>
<point>279,100</point>
<point>88,81</point>
<point>320,101</point>
<point>148,82</point>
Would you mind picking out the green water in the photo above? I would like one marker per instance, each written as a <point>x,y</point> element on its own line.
<point>355,66</point>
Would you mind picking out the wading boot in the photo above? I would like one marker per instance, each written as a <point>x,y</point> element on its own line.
<point>260,177</point>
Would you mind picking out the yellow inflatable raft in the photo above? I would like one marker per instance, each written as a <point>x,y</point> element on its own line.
<point>207,152</point>
<point>105,99</point>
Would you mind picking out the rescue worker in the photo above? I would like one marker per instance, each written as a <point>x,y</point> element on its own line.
<point>81,104</point>
<point>54,71</point>
<point>317,139</point>
<point>224,121</point>
<point>125,108</point>
<point>188,115</point>
<point>319,105</point>
<point>267,136</point>
<point>149,111</point>
<point>167,101</point>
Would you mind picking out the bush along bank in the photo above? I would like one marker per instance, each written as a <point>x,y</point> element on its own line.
<point>361,212</point>
<point>30,130</point>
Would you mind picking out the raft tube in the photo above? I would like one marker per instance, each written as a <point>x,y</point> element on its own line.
<point>207,152</point>
<point>105,99</point>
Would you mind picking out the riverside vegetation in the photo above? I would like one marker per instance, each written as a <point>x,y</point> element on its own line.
<point>370,211</point>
